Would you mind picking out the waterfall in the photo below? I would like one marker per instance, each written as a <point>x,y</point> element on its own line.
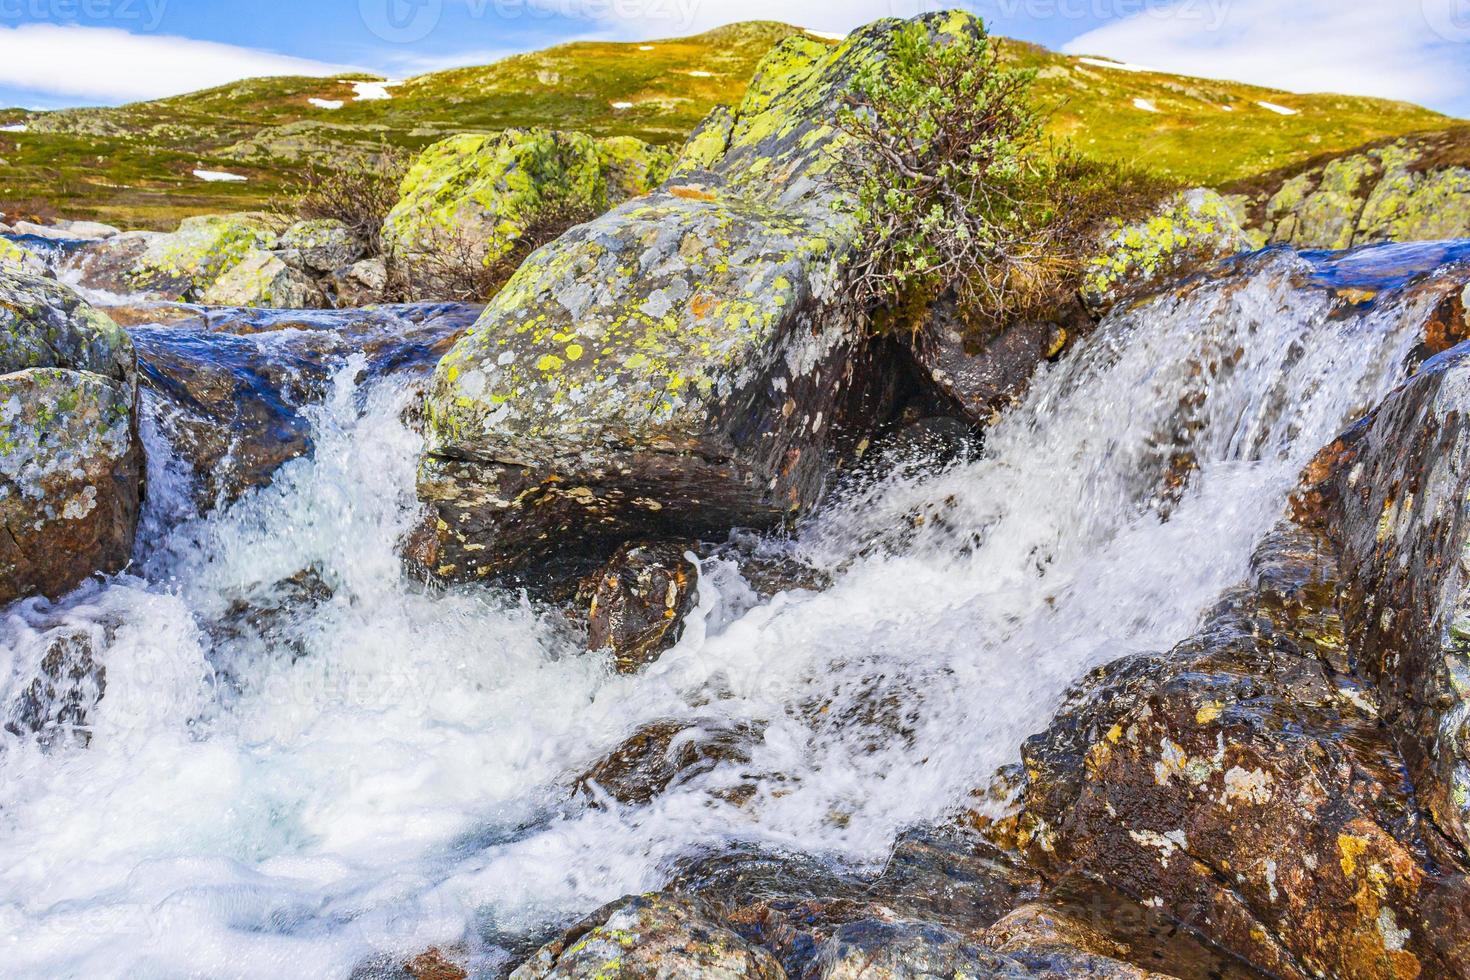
<point>299,758</point>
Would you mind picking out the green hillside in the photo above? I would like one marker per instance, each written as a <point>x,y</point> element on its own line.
<point>134,165</point>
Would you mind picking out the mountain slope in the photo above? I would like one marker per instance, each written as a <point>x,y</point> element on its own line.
<point>134,165</point>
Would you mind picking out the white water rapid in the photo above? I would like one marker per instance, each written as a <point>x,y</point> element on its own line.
<point>377,768</point>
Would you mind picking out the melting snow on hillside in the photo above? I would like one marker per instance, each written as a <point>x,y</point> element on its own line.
<point>1280,110</point>
<point>326,103</point>
<point>219,177</point>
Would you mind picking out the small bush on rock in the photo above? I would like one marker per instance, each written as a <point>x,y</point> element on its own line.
<point>955,189</point>
<point>360,195</point>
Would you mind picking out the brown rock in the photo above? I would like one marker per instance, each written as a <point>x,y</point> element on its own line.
<point>639,603</point>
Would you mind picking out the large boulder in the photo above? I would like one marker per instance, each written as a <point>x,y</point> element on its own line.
<point>320,245</point>
<point>263,279</point>
<point>17,258</point>
<point>1405,189</point>
<point>1244,785</point>
<point>70,461</point>
<point>1394,495</point>
<point>683,364</point>
<point>483,193</point>
<point>188,261</point>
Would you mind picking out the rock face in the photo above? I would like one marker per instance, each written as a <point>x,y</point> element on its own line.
<point>676,367</point>
<point>1190,230</point>
<point>1242,784</point>
<point>639,603</point>
<point>1392,495</point>
<point>1417,188</point>
<point>320,245</point>
<point>488,191</point>
<point>70,461</point>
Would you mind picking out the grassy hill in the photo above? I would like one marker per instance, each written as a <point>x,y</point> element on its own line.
<point>134,165</point>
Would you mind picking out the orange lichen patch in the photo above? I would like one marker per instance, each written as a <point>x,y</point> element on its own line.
<point>702,304</point>
<point>692,193</point>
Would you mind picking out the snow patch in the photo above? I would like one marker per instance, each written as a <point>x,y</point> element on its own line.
<point>14,128</point>
<point>645,47</point>
<point>1115,65</point>
<point>373,91</point>
<point>1145,105</point>
<point>1280,110</point>
<point>326,103</point>
<point>701,74</point>
<point>620,106</point>
<point>219,177</point>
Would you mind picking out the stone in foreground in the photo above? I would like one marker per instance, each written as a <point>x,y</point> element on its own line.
<point>71,464</point>
<point>639,603</point>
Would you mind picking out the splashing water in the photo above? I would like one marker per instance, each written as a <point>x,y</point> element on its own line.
<point>300,759</point>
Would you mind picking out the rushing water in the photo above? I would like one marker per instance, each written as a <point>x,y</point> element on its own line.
<point>289,773</point>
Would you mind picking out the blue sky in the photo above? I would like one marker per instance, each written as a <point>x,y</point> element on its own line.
<point>81,52</point>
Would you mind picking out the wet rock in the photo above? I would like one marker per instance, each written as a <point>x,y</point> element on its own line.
<point>1050,943</point>
<point>484,192</point>
<point>651,936</point>
<point>230,383</point>
<point>675,368</point>
<point>878,949</point>
<point>979,375</point>
<point>663,755</point>
<point>1242,787</point>
<point>320,245</point>
<point>187,262</point>
<point>70,460</point>
<point>359,284</point>
<point>639,603</point>
<point>107,266</point>
<point>1190,230</point>
<point>1391,494</point>
<point>68,230</point>
<point>66,686</point>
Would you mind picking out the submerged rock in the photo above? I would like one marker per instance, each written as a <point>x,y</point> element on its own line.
<point>651,936</point>
<point>677,367</point>
<point>639,603</point>
<point>665,754</point>
<point>65,687</point>
<point>70,460</point>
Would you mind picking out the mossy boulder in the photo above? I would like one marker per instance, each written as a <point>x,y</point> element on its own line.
<point>17,258</point>
<point>1189,230</point>
<point>679,366</point>
<point>482,193</point>
<point>263,279</point>
<point>188,261</point>
<point>70,461</point>
<point>1414,188</point>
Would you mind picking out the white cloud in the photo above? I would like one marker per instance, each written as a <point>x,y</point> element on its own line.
<point>1356,47</point>
<point>113,65</point>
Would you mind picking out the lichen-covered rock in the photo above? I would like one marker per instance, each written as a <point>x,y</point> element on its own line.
<point>1189,230</point>
<point>679,366</point>
<point>107,266</point>
<point>649,937</point>
<point>359,284</point>
<point>1392,494</point>
<point>639,603</point>
<point>263,279</point>
<point>707,144</point>
<point>1243,786</point>
<point>1415,188</point>
<point>17,258</point>
<point>320,245</point>
<point>188,261</point>
<point>70,461</point>
<point>483,192</point>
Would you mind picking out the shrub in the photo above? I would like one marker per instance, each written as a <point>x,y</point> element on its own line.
<point>359,195</point>
<point>955,190</point>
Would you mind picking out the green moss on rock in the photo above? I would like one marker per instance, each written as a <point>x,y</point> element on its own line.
<point>203,248</point>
